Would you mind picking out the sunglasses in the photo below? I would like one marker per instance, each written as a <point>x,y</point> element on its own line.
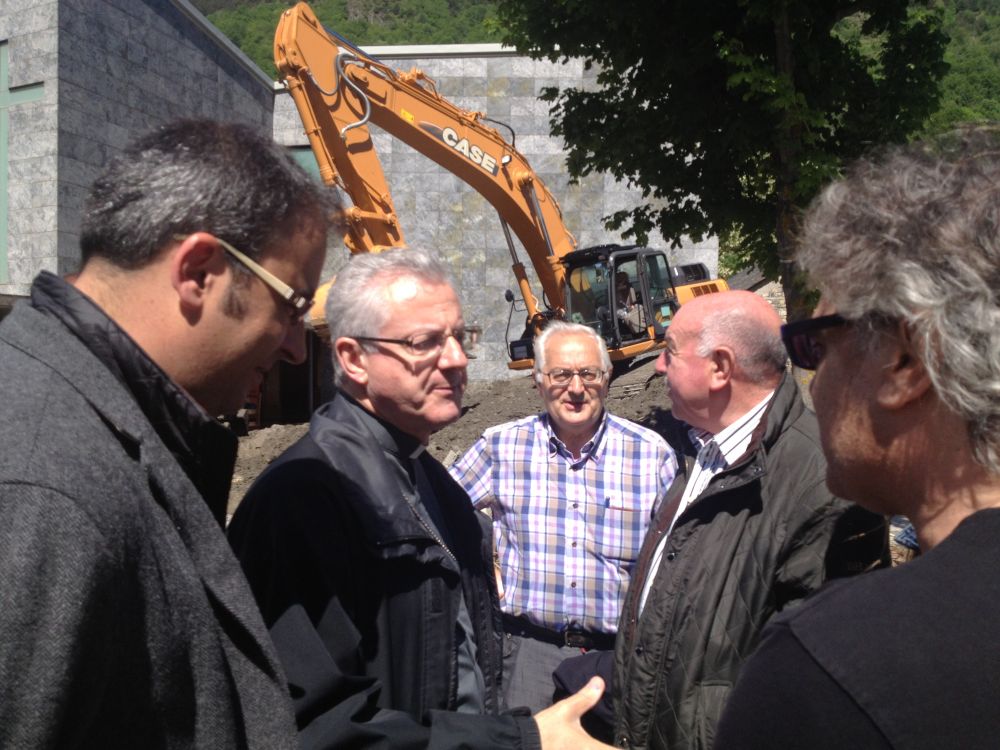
<point>800,341</point>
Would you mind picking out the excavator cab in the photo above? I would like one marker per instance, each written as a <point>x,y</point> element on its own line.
<point>629,294</point>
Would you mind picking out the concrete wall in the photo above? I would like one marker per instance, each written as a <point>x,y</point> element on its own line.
<point>111,70</point>
<point>439,212</point>
<point>29,29</point>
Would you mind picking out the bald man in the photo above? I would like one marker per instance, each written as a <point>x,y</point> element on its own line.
<point>747,529</point>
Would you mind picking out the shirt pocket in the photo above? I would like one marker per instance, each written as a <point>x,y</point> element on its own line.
<point>620,525</point>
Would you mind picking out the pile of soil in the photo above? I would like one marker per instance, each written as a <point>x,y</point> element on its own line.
<point>637,394</point>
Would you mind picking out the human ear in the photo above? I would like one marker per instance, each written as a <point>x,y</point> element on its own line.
<point>351,358</point>
<point>722,361</point>
<point>903,377</point>
<point>195,266</point>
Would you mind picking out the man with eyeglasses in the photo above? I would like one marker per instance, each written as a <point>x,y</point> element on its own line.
<point>747,530</point>
<point>125,619</point>
<point>372,570</point>
<point>571,492</point>
<point>905,250</point>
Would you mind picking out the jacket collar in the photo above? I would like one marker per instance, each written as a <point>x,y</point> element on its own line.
<point>204,448</point>
<point>344,431</point>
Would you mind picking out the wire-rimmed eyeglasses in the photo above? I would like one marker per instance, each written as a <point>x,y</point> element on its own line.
<point>587,375</point>
<point>421,345</point>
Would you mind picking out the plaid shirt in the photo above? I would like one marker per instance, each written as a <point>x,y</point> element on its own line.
<point>567,531</point>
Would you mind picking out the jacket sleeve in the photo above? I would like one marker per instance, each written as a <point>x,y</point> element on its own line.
<point>58,623</point>
<point>827,538</point>
<point>294,541</point>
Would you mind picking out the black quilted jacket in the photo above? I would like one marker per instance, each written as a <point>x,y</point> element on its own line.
<point>762,536</point>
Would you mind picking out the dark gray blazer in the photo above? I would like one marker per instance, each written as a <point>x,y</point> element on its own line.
<point>125,620</point>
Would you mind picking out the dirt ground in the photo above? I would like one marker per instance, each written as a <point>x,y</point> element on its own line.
<point>637,394</point>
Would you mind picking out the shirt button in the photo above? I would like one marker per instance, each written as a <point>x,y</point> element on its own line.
<point>639,650</point>
<point>574,544</point>
<point>573,585</point>
<point>576,505</point>
<point>623,741</point>
<point>671,555</point>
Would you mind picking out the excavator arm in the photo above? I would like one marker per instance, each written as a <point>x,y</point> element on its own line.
<point>339,90</point>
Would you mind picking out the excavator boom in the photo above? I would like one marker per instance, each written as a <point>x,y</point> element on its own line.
<point>338,90</point>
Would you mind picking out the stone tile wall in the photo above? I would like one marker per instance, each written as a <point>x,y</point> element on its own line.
<point>111,69</point>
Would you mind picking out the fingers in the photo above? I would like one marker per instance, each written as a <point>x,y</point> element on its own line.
<point>585,698</point>
<point>559,725</point>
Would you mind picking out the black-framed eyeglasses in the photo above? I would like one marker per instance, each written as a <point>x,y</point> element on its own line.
<point>588,376</point>
<point>800,341</point>
<point>422,345</point>
<point>299,302</point>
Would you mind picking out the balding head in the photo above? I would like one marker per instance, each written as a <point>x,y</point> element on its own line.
<point>742,321</point>
<point>723,356</point>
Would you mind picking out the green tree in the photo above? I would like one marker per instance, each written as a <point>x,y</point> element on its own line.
<point>970,92</point>
<point>730,114</point>
<point>251,25</point>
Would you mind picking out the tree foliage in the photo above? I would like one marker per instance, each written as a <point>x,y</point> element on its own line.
<point>251,25</point>
<point>729,114</point>
<point>970,92</point>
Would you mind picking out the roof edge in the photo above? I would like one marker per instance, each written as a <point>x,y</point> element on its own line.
<point>199,20</point>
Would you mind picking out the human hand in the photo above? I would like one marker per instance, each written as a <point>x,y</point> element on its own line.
<point>559,725</point>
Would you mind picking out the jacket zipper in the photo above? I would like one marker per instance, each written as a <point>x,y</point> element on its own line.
<point>434,535</point>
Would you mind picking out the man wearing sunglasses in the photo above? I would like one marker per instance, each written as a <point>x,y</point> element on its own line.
<point>747,530</point>
<point>571,492</point>
<point>906,346</point>
<point>125,620</point>
<point>372,570</point>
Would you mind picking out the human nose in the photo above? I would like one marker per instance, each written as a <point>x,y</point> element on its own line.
<point>661,362</point>
<point>452,354</point>
<point>293,346</point>
<point>576,384</point>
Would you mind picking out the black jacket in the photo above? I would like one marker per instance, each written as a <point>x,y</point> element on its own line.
<point>362,598</point>
<point>125,620</point>
<point>907,658</point>
<point>763,535</point>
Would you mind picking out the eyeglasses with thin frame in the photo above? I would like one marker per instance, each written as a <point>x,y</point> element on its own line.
<point>427,345</point>
<point>800,341</point>
<point>299,302</point>
<point>587,375</point>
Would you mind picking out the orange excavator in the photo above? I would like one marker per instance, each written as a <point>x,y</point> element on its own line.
<point>628,294</point>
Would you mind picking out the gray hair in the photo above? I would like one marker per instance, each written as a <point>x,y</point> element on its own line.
<point>914,235</point>
<point>199,175</point>
<point>356,304</point>
<point>760,354</point>
<point>560,327</point>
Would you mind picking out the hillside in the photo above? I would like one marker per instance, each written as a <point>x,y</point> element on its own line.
<point>251,24</point>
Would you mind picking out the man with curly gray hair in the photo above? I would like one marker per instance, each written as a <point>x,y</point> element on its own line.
<point>906,347</point>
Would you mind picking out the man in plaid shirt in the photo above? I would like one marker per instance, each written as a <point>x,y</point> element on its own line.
<point>571,492</point>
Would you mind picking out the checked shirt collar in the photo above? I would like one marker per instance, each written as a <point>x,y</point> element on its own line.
<point>591,449</point>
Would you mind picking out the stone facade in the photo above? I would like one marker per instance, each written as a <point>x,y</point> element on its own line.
<point>439,212</point>
<point>110,70</point>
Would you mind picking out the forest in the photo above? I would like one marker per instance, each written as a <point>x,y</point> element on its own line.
<point>365,22</point>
